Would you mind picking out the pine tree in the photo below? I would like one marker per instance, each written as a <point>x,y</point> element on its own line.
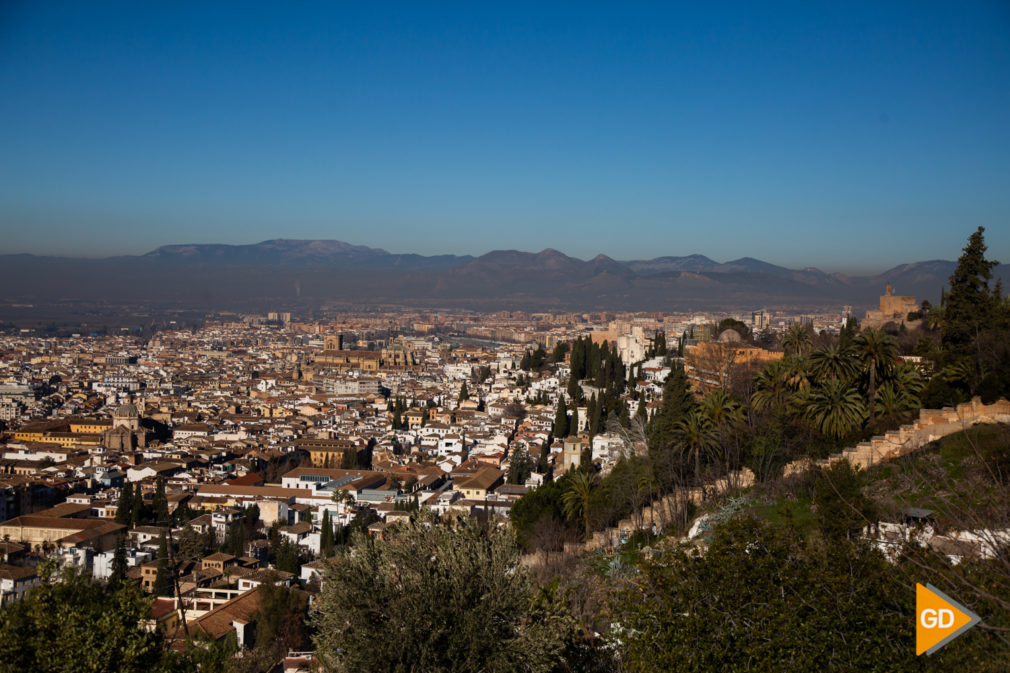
<point>464,394</point>
<point>677,402</point>
<point>969,306</point>
<point>163,580</point>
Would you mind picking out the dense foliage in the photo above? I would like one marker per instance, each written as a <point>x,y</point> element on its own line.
<point>438,598</point>
<point>74,624</point>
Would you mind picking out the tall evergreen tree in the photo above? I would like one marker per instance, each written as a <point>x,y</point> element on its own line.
<point>163,580</point>
<point>574,390</point>
<point>573,424</point>
<point>595,417</point>
<point>677,403</point>
<point>969,304</point>
<point>542,464</point>
<point>349,459</point>
<point>137,511</point>
<point>975,325</point>
<point>124,509</point>
<point>118,574</point>
<point>561,420</point>
<point>326,536</point>
<point>464,394</point>
<point>160,503</point>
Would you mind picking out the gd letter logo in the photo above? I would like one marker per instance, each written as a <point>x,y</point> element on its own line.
<point>939,619</point>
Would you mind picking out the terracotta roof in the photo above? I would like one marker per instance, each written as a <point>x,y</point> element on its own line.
<point>483,479</point>
<point>218,622</point>
<point>15,573</point>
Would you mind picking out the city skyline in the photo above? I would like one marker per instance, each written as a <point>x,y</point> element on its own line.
<point>851,139</point>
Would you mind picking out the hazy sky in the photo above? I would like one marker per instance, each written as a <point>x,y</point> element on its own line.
<point>849,136</point>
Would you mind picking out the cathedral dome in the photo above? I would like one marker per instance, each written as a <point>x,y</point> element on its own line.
<point>126,411</point>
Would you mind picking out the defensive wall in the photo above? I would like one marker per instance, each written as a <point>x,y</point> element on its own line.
<point>931,425</point>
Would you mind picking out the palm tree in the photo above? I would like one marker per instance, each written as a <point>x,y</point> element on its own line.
<point>576,498</point>
<point>721,409</point>
<point>647,482</point>
<point>770,388</point>
<point>894,402</point>
<point>696,433</point>
<point>796,373</point>
<point>797,340</point>
<point>908,378</point>
<point>833,362</point>
<point>877,351</point>
<point>835,408</point>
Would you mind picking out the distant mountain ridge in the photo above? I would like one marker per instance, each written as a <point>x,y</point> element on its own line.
<point>314,272</point>
<point>292,252</point>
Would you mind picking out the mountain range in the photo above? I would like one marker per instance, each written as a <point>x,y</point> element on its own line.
<point>286,272</point>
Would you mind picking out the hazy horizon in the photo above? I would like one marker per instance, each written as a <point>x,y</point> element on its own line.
<point>856,271</point>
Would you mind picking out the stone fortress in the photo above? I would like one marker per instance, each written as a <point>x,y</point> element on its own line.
<point>892,309</point>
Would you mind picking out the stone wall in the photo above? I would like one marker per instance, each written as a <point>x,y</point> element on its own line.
<point>931,425</point>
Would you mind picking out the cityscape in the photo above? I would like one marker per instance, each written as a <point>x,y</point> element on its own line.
<point>352,339</point>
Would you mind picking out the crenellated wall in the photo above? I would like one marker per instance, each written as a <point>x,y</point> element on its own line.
<point>931,425</point>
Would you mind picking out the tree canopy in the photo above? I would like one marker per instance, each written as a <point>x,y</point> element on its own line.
<point>437,598</point>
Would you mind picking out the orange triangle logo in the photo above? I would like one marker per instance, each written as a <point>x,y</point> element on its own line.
<point>939,619</point>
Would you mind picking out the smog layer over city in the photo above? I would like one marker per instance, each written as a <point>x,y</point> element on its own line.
<point>548,338</point>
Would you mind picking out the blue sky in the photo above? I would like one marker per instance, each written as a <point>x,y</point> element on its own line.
<point>848,136</point>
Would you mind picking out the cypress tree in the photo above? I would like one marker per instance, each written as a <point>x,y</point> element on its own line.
<point>160,503</point>
<point>137,513</point>
<point>542,464</point>
<point>574,390</point>
<point>118,574</point>
<point>660,343</point>
<point>163,580</point>
<point>124,510</point>
<point>561,420</point>
<point>573,425</point>
<point>326,536</point>
<point>464,394</point>
<point>625,415</point>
